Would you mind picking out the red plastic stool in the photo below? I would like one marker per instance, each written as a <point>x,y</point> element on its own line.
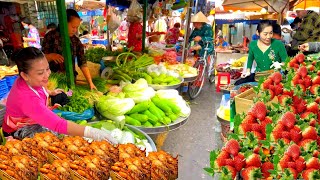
<point>221,74</point>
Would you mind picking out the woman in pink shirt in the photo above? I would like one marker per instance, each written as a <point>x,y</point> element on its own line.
<point>28,99</point>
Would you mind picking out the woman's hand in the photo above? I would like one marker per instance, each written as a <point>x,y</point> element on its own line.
<point>99,135</point>
<point>93,87</point>
<point>57,58</point>
<point>56,92</point>
<point>246,74</point>
<point>304,47</point>
<point>197,38</point>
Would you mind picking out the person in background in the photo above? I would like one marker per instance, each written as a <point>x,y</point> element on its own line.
<point>33,38</point>
<point>27,110</point>
<point>173,34</point>
<point>276,32</point>
<point>202,32</point>
<point>266,52</point>
<point>310,46</point>
<point>52,47</point>
<point>222,42</point>
<point>82,28</point>
<point>50,27</point>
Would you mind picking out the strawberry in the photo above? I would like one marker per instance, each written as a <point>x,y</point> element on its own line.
<point>303,71</point>
<point>229,162</point>
<point>316,153</point>
<point>276,77</point>
<point>267,120</point>
<point>317,98</point>
<point>265,169</point>
<point>307,81</point>
<point>267,83</point>
<point>229,170</point>
<point>307,115</point>
<point>309,133</point>
<point>286,135</point>
<point>313,107</point>
<point>301,81</point>
<point>277,131</point>
<point>300,164</point>
<point>256,150</point>
<point>301,85</point>
<point>316,80</point>
<point>284,161</point>
<point>295,135</point>
<point>220,160</point>
<point>259,110</point>
<point>293,109</point>
<point>315,89</point>
<point>291,164</point>
<point>239,162</point>
<point>287,92</point>
<point>271,93</point>
<point>244,128</point>
<point>295,79</point>
<point>250,173</point>
<point>258,135</point>
<point>232,147</point>
<point>249,119</point>
<point>278,89</point>
<point>300,58</point>
<point>293,172</point>
<point>310,174</point>
<point>288,119</point>
<point>312,163</point>
<point>310,67</point>
<point>307,144</point>
<point>253,160</point>
<point>284,100</point>
<point>256,127</point>
<point>293,151</point>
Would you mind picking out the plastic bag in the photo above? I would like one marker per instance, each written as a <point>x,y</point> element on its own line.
<point>113,22</point>
<point>29,131</point>
<point>72,116</point>
<point>134,12</point>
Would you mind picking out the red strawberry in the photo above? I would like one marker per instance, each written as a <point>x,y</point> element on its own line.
<point>316,153</point>
<point>293,172</point>
<point>301,85</point>
<point>249,119</point>
<point>256,150</point>
<point>231,170</point>
<point>277,131</point>
<point>303,71</point>
<point>287,92</point>
<point>278,89</point>
<point>295,135</point>
<point>300,58</point>
<point>307,144</point>
<point>229,162</point>
<point>292,164</point>
<point>316,80</point>
<point>295,79</point>
<point>258,135</point>
<point>317,98</point>
<point>300,164</point>
<point>259,110</point>
<point>293,109</point>
<point>309,133</point>
<point>267,83</point>
<point>310,67</point>
<point>232,147</point>
<point>309,174</point>
<point>307,81</point>
<point>301,81</point>
<point>250,173</point>
<point>284,161</point>
<point>286,135</point>
<point>239,162</point>
<point>276,77</point>
<point>293,151</point>
<point>313,107</point>
<point>288,119</point>
<point>315,89</point>
<point>256,127</point>
<point>244,128</point>
<point>307,115</point>
<point>284,100</point>
<point>265,169</point>
<point>271,92</point>
<point>220,160</point>
<point>253,160</point>
<point>312,163</point>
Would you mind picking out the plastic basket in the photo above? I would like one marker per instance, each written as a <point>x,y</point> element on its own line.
<point>2,112</point>
<point>10,80</point>
<point>3,88</point>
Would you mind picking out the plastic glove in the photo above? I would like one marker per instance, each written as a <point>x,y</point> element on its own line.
<point>98,134</point>
<point>244,75</point>
<point>276,65</point>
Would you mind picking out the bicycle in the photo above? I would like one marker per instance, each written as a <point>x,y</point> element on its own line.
<point>195,87</point>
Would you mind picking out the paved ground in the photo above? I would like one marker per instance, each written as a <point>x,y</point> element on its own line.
<point>201,134</point>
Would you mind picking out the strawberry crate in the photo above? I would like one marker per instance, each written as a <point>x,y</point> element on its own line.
<point>244,101</point>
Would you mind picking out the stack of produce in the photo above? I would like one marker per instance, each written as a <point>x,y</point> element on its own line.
<point>96,54</point>
<point>239,62</point>
<point>159,75</point>
<point>183,70</point>
<point>278,141</point>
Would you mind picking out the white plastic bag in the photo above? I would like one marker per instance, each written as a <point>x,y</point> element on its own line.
<point>134,12</point>
<point>113,22</point>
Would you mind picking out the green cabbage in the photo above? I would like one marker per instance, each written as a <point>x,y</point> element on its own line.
<point>115,106</point>
<point>139,85</point>
<point>141,96</point>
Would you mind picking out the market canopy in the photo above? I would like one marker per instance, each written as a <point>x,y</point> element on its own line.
<point>255,5</point>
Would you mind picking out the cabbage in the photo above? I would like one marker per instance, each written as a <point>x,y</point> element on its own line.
<point>117,134</point>
<point>140,96</point>
<point>115,106</point>
<point>139,85</point>
<point>168,94</point>
<point>127,137</point>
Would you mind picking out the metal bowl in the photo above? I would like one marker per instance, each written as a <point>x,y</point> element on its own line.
<point>160,87</point>
<point>190,79</point>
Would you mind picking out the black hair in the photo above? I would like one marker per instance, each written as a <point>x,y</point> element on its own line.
<point>263,24</point>
<point>295,22</point>
<point>72,13</point>
<point>85,32</point>
<point>276,29</point>
<point>51,26</point>
<point>26,20</point>
<point>25,57</point>
<point>177,25</point>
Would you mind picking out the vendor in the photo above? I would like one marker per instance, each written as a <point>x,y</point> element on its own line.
<point>173,34</point>
<point>222,42</point>
<point>266,52</point>
<point>26,108</point>
<point>33,38</point>
<point>52,47</point>
<point>202,32</point>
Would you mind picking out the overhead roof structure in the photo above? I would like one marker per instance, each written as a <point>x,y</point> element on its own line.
<point>255,5</point>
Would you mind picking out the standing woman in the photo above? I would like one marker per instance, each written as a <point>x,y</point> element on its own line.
<point>33,38</point>
<point>52,48</point>
<point>27,109</point>
<point>266,52</point>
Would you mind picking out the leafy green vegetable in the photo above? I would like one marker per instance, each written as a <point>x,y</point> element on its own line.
<point>96,54</point>
<point>76,104</point>
<point>115,106</point>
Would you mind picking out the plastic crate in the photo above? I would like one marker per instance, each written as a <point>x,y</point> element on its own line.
<point>10,80</point>
<point>3,88</point>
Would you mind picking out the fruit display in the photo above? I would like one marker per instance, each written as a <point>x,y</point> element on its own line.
<point>183,70</point>
<point>239,62</point>
<point>276,141</point>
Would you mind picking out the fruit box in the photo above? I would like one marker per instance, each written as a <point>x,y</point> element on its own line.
<point>244,101</point>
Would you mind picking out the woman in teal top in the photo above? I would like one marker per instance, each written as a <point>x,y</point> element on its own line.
<point>265,51</point>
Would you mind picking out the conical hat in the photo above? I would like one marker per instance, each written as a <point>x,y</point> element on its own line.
<point>199,17</point>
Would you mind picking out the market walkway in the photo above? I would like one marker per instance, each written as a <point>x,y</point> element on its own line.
<point>197,137</point>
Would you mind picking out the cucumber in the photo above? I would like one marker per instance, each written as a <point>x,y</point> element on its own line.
<point>173,117</point>
<point>131,121</point>
<point>151,118</point>
<point>155,111</point>
<point>117,71</point>
<point>147,124</point>
<point>157,124</point>
<point>111,81</point>
<point>166,120</point>
<point>175,109</point>
<point>147,77</point>
<point>140,107</point>
<point>140,117</point>
<point>160,104</point>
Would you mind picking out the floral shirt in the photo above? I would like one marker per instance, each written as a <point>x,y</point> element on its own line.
<point>33,33</point>
<point>52,44</point>
<point>276,52</point>
<point>206,33</point>
<point>134,29</point>
<point>172,36</point>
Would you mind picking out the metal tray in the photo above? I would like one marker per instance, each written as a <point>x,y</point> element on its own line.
<point>190,79</point>
<point>160,87</point>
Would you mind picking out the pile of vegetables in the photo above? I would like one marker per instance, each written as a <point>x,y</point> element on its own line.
<point>77,104</point>
<point>183,70</point>
<point>96,54</point>
<point>159,75</point>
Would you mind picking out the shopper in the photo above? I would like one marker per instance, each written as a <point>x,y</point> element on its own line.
<point>27,109</point>
<point>311,47</point>
<point>33,38</point>
<point>202,32</point>
<point>135,35</point>
<point>52,47</point>
<point>265,51</point>
<point>173,34</point>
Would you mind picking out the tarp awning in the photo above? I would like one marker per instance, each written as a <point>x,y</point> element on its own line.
<point>255,5</point>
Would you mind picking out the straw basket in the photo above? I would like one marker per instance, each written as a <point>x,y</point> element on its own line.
<point>258,75</point>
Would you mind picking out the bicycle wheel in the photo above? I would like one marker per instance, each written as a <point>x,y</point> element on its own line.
<point>212,78</point>
<point>194,88</point>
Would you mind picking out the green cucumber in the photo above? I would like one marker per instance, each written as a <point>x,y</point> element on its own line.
<point>147,124</point>
<point>151,118</point>
<point>140,117</point>
<point>140,107</point>
<point>131,121</point>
